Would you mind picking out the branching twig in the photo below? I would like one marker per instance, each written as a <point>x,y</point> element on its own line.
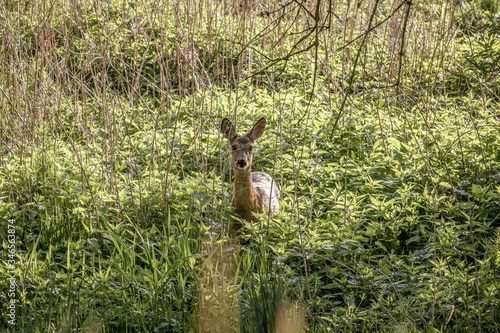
<point>372,28</point>
<point>401,50</point>
<point>353,71</point>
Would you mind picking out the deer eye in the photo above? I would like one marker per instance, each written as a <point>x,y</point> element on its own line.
<point>250,148</point>
<point>234,147</point>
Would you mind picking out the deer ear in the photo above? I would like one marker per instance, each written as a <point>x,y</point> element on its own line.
<point>257,129</point>
<point>227,129</point>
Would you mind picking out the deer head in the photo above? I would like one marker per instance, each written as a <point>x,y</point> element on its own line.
<point>242,145</point>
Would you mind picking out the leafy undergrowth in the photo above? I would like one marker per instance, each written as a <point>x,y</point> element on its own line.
<point>114,191</point>
<point>395,234</point>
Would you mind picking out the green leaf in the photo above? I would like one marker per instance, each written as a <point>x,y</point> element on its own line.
<point>381,246</point>
<point>377,144</point>
<point>395,142</point>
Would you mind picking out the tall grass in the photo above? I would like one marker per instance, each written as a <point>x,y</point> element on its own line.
<point>383,138</point>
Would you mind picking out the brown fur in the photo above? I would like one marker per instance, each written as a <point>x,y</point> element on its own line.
<point>252,190</point>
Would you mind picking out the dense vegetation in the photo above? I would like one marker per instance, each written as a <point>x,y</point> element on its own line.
<point>383,135</point>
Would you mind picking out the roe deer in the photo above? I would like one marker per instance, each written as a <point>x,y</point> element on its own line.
<point>253,191</point>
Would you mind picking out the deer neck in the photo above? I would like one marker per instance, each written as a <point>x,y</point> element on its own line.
<point>245,197</point>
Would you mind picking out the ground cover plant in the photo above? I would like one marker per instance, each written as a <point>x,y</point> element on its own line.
<point>115,181</point>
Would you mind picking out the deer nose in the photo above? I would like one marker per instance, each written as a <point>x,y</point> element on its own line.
<point>241,163</point>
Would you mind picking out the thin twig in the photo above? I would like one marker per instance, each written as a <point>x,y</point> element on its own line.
<point>353,71</point>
